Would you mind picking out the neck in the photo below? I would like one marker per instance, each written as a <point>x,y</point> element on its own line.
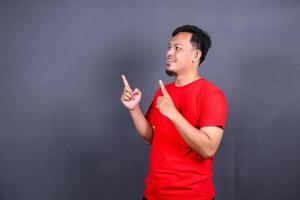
<point>184,79</point>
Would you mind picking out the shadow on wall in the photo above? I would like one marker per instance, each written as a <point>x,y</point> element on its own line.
<point>120,145</point>
<point>262,92</point>
<point>124,59</point>
<point>265,128</point>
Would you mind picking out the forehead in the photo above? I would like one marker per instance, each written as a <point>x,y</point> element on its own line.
<point>182,38</point>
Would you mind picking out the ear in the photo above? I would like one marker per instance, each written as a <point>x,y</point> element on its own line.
<point>197,55</point>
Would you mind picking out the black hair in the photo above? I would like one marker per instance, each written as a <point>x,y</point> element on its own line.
<point>200,39</point>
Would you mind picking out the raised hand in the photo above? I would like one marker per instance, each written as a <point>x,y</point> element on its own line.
<point>165,103</point>
<point>129,98</point>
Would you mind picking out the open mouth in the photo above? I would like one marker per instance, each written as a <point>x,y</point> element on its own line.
<point>170,61</point>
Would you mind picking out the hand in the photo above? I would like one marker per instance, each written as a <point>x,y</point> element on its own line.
<point>165,103</point>
<point>129,98</point>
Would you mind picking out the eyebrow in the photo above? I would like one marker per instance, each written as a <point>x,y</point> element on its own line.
<point>176,44</point>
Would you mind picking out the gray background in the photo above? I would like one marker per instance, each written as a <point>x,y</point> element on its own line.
<point>64,133</point>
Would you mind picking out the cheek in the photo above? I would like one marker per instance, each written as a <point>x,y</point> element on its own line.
<point>184,58</point>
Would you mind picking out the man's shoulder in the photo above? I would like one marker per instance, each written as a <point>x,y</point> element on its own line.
<point>209,86</point>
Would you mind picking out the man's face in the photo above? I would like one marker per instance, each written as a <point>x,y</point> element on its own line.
<point>180,54</point>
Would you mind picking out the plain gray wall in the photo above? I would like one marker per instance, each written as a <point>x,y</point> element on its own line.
<point>64,133</point>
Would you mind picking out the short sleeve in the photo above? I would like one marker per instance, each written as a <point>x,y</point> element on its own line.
<point>213,110</point>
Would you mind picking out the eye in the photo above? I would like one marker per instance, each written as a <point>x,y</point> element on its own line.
<point>169,46</point>
<point>177,48</point>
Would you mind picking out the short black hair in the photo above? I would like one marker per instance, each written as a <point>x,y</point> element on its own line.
<point>200,39</point>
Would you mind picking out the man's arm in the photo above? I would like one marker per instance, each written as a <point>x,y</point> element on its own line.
<point>142,125</point>
<point>131,100</point>
<point>204,141</point>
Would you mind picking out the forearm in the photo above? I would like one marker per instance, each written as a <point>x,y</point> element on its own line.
<point>142,125</point>
<point>197,139</point>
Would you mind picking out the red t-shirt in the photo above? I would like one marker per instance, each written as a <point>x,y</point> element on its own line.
<point>176,171</point>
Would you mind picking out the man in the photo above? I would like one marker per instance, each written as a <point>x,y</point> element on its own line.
<point>184,123</point>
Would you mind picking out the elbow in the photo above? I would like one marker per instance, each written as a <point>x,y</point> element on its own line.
<point>207,154</point>
<point>149,136</point>
<point>148,142</point>
<point>208,151</point>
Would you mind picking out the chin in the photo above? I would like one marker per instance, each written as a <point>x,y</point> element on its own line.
<point>170,72</point>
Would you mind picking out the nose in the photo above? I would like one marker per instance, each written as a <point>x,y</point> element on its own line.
<point>169,52</point>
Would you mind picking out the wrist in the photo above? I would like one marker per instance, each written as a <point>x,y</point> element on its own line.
<point>134,109</point>
<point>174,116</point>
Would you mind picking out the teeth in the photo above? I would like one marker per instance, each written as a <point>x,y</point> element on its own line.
<point>170,59</point>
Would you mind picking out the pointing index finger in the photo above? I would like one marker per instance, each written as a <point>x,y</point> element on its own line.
<point>162,87</point>
<point>125,80</point>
